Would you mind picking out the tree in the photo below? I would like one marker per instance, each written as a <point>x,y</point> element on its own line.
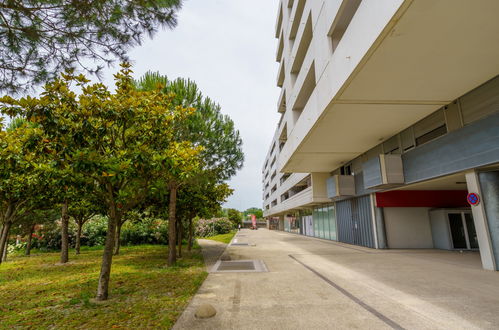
<point>221,151</point>
<point>202,198</point>
<point>235,216</point>
<point>21,185</point>
<point>39,39</point>
<point>254,210</point>
<point>120,141</point>
<point>82,210</point>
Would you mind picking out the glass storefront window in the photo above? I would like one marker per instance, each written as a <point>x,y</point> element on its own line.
<point>332,223</point>
<point>325,211</point>
<point>324,219</point>
<point>316,222</point>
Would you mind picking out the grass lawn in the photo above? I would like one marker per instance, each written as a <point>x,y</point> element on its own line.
<point>36,292</point>
<point>224,238</point>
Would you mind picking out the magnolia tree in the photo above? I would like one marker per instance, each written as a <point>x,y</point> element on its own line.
<point>22,185</point>
<point>120,142</point>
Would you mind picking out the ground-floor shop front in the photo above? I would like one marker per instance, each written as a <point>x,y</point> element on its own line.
<point>423,216</point>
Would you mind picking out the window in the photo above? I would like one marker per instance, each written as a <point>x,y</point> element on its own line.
<point>391,146</point>
<point>430,128</point>
<point>274,188</point>
<point>407,139</point>
<point>439,131</point>
<point>346,170</point>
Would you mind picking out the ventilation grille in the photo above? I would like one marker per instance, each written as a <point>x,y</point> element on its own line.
<point>239,266</point>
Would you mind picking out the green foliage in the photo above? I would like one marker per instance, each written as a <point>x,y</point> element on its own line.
<point>235,216</point>
<point>117,142</point>
<point>146,231</point>
<point>222,145</point>
<point>39,39</point>
<point>254,210</point>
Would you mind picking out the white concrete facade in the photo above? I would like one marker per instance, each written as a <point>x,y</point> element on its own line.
<point>415,81</point>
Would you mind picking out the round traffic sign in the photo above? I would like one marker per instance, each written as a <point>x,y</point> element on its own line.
<point>473,199</point>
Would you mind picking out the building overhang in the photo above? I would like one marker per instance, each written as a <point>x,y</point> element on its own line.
<point>429,54</point>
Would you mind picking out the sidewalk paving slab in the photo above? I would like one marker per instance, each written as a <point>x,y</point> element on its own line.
<point>317,284</point>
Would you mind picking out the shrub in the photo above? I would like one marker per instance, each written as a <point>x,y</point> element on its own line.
<point>140,230</point>
<point>94,231</point>
<point>145,231</point>
<point>48,237</point>
<point>212,227</point>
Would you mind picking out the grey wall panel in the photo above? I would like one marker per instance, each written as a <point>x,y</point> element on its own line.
<point>344,221</point>
<point>331,187</point>
<point>354,221</point>
<point>372,172</point>
<point>364,232</point>
<point>472,146</point>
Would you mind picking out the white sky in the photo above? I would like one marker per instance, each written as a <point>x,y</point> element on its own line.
<point>228,48</point>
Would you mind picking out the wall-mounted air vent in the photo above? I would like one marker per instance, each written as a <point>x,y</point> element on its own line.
<point>340,186</point>
<point>383,171</point>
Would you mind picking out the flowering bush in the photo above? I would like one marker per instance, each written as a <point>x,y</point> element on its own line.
<point>146,231</point>
<point>212,227</point>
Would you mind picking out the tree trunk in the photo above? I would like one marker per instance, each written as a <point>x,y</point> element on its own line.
<point>79,222</point>
<point>117,240</point>
<point>30,238</point>
<point>107,256</point>
<point>64,232</point>
<point>172,253</point>
<point>179,229</point>
<point>3,240</point>
<point>4,255</point>
<point>191,234</point>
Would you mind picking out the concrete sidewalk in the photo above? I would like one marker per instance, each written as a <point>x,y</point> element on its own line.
<point>317,284</point>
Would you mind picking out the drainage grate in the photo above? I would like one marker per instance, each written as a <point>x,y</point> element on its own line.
<point>236,265</point>
<point>239,266</point>
<point>240,244</point>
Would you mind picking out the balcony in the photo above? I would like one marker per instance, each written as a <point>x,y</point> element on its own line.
<point>304,40</point>
<point>297,14</point>
<point>281,74</point>
<point>281,103</point>
<point>278,24</point>
<point>280,48</point>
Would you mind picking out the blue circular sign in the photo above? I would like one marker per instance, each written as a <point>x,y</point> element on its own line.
<point>473,199</point>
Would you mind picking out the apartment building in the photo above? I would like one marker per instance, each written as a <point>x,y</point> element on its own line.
<point>389,129</point>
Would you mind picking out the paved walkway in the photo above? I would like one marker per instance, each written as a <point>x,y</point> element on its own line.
<point>317,284</point>
<point>211,250</point>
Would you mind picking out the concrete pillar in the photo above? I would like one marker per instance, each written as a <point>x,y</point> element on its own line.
<point>281,222</point>
<point>378,223</point>
<point>380,228</point>
<point>480,212</point>
<point>489,184</point>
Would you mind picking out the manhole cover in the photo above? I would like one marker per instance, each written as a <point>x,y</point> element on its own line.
<point>241,266</point>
